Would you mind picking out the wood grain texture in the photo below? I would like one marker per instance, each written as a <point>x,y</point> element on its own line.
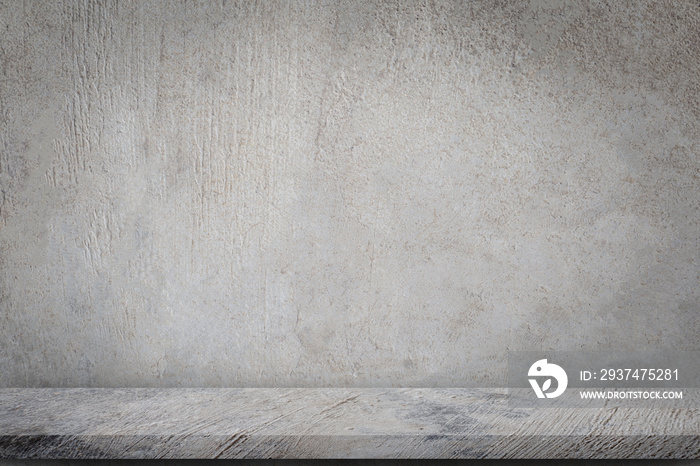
<point>329,423</point>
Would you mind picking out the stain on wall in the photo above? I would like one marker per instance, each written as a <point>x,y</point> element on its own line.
<point>314,193</point>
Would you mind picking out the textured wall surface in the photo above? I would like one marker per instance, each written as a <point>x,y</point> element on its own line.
<point>367,193</point>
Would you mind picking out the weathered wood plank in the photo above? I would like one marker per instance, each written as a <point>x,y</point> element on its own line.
<point>329,423</point>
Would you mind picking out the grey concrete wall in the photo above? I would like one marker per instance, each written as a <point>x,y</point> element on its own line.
<point>366,193</point>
